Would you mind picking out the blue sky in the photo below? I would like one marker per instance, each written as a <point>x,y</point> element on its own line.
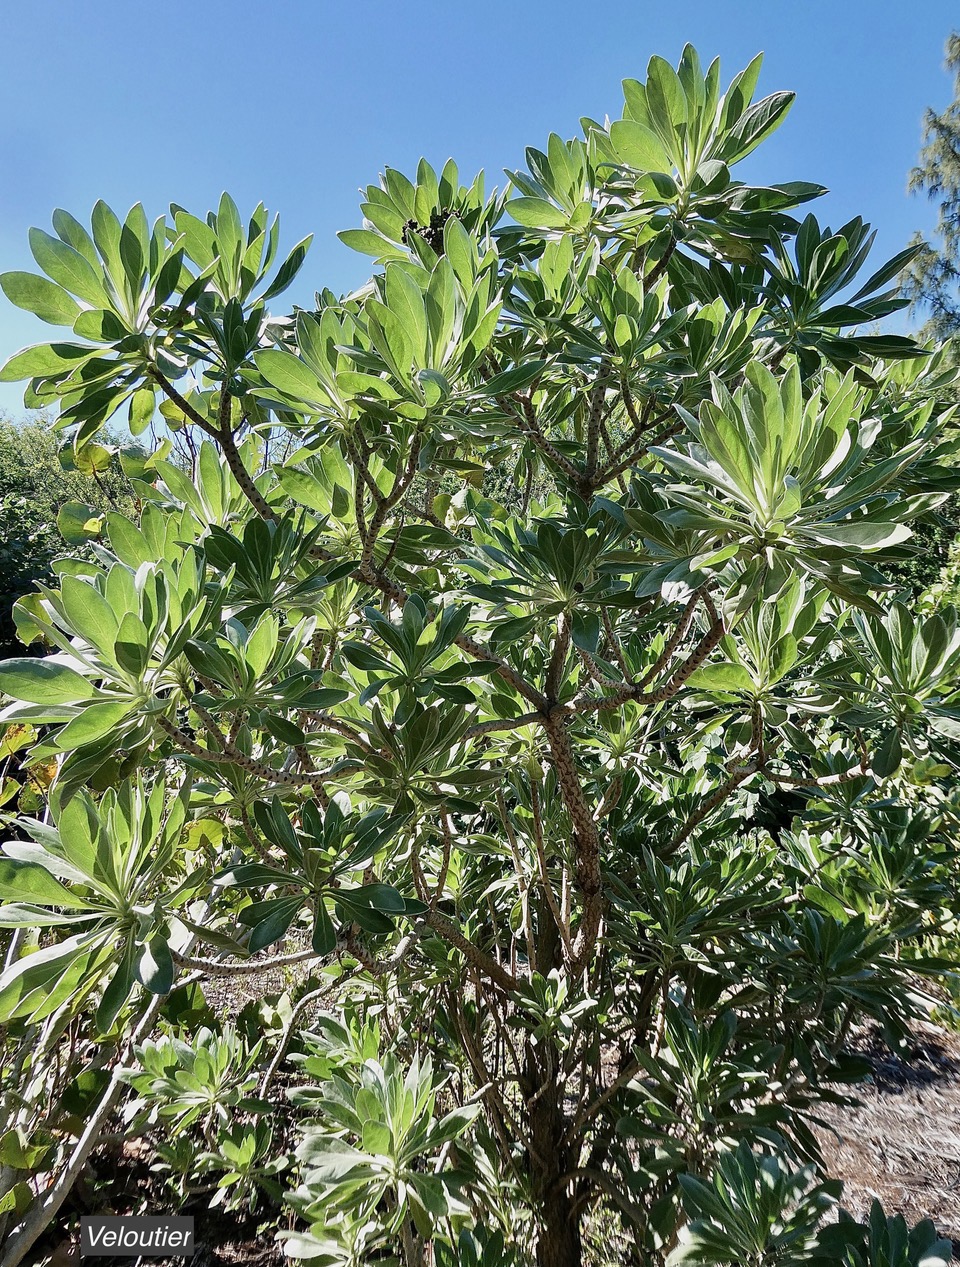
<point>301,102</point>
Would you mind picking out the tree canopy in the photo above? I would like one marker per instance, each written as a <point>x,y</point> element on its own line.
<point>932,281</point>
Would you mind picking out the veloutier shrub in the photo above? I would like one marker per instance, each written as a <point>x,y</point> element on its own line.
<point>518,667</point>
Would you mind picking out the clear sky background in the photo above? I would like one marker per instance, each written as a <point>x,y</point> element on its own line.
<point>302,102</point>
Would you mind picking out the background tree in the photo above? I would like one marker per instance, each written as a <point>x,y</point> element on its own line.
<point>37,480</point>
<point>932,281</point>
<point>603,811</point>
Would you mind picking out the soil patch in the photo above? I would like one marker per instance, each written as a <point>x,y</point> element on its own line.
<point>124,1184</point>
<point>901,1143</point>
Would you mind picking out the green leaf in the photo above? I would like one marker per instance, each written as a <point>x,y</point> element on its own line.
<point>107,232</point>
<point>93,459</point>
<point>382,897</point>
<point>640,147</point>
<point>135,246</point>
<point>324,934</point>
<point>825,901</point>
<point>284,730</point>
<point>71,231</point>
<point>949,727</point>
<point>756,124</point>
<point>132,645</point>
<point>515,379</point>
<point>253,875</point>
<point>118,989</point>
<point>722,677</point>
<point>43,681</point>
<point>666,99</point>
<point>29,915</point>
<point>101,325</point>
<point>96,721</point>
<point>39,983</point>
<point>289,375</point>
<point>68,268</point>
<point>537,213</point>
<point>44,359</point>
<point>389,335</point>
<point>305,1246</point>
<point>864,536</point>
<point>369,243</point>
<point>155,968</point>
<point>45,299</point>
<point>17,1151</point>
<point>79,523</point>
<point>585,628</point>
<point>281,914</point>
<point>288,269</point>
<point>17,1200</point>
<point>404,300</point>
<point>889,755</point>
<point>30,882</point>
<point>305,489</point>
<point>142,407</point>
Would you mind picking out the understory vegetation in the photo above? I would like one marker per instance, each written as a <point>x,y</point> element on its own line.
<point>530,661</point>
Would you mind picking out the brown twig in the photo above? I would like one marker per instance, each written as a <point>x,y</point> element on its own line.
<point>504,723</point>
<point>477,958</point>
<point>233,756</point>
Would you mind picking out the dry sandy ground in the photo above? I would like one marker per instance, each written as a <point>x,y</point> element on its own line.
<point>902,1143</point>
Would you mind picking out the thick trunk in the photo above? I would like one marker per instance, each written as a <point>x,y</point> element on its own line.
<point>414,1249</point>
<point>558,1243</point>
